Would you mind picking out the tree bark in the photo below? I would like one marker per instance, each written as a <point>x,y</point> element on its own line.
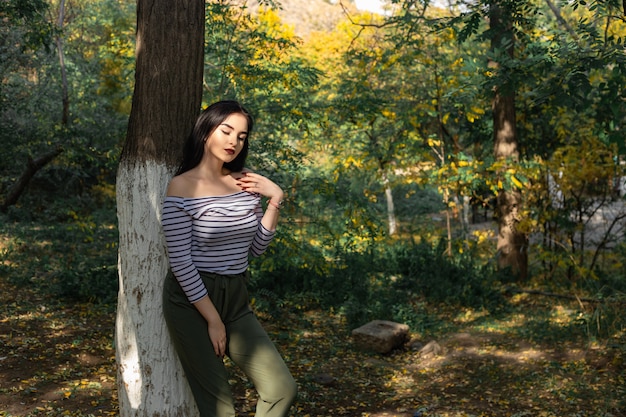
<point>391,211</point>
<point>65,116</point>
<point>512,245</point>
<point>166,101</point>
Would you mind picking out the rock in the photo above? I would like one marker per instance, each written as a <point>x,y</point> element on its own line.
<point>415,344</point>
<point>432,348</point>
<point>380,335</point>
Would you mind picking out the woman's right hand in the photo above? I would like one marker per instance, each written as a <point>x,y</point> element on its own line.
<point>217,330</point>
<point>217,334</point>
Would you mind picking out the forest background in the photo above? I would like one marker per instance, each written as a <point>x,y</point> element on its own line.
<point>381,130</point>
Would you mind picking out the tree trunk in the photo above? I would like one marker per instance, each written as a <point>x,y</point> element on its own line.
<point>512,245</point>
<point>391,211</point>
<point>166,101</point>
<point>65,116</point>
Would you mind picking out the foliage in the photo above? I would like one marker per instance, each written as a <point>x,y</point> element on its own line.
<point>574,209</point>
<point>71,255</point>
<point>30,122</point>
<point>342,116</point>
<point>252,58</point>
<point>26,28</point>
<point>377,278</point>
<point>401,276</point>
<point>398,103</point>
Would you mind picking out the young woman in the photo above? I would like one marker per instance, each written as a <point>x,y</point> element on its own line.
<point>212,220</point>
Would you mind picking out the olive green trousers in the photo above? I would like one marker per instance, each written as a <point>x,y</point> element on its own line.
<point>248,346</point>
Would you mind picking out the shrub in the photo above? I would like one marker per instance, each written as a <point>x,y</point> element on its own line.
<point>384,281</point>
<point>67,250</point>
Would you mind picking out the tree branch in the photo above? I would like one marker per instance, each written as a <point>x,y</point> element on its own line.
<point>32,166</point>
<point>562,21</point>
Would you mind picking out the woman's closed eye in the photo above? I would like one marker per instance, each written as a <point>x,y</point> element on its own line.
<point>240,138</point>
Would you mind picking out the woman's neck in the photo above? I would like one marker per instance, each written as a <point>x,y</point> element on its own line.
<point>212,170</point>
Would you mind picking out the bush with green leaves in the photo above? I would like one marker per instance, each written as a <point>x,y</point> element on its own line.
<point>397,279</point>
<point>386,281</point>
<point>68,249</point>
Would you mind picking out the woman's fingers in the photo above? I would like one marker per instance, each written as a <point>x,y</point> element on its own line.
<point>220,348</point>
<point>254,182</point>
<point>217,334</point>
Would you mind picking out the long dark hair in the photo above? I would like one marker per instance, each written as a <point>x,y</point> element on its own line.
<point>206,123</point>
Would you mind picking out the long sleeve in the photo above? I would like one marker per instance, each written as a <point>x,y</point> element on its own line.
<point>263,236</point>
<point>261,241</point>
<point>214,234</point>
<point>178,227</point>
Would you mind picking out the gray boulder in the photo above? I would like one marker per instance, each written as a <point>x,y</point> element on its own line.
<point>380,335</point>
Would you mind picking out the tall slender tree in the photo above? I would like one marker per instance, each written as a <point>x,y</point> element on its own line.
<point>166,101</point>
<point>512,244</point>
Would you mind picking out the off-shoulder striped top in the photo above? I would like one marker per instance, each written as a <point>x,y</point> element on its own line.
<point>212,234</point>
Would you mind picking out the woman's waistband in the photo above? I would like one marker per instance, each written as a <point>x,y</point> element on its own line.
<point>205,274</point>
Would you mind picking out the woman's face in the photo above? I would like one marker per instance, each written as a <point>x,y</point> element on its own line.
<point>227,141</point>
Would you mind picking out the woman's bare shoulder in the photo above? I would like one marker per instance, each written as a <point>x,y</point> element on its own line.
<point>238,174</point>
<point>180,186</point>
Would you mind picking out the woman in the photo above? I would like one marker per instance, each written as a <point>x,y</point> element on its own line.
<point>212,220</point>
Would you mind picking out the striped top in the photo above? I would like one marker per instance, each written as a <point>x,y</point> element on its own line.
<point>212,234</point>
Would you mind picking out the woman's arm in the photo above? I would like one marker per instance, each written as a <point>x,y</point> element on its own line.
<point>259,184</point>
<point>177,228</point>
<point>217,330</point>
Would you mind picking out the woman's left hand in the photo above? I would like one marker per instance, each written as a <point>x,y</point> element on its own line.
<point>256,183</point>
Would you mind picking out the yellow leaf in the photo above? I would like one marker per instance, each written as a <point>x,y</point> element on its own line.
<point>389,114</point>
<point>477,110</point>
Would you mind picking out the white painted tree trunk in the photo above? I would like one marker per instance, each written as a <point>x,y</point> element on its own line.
<point>391,210</point>
<point>151,381</point>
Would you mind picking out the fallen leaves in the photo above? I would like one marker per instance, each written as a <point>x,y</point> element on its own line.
<point>59,361</point>
<point>58,358</point>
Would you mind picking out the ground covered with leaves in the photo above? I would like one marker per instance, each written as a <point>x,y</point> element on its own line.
<point>58,359</point>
